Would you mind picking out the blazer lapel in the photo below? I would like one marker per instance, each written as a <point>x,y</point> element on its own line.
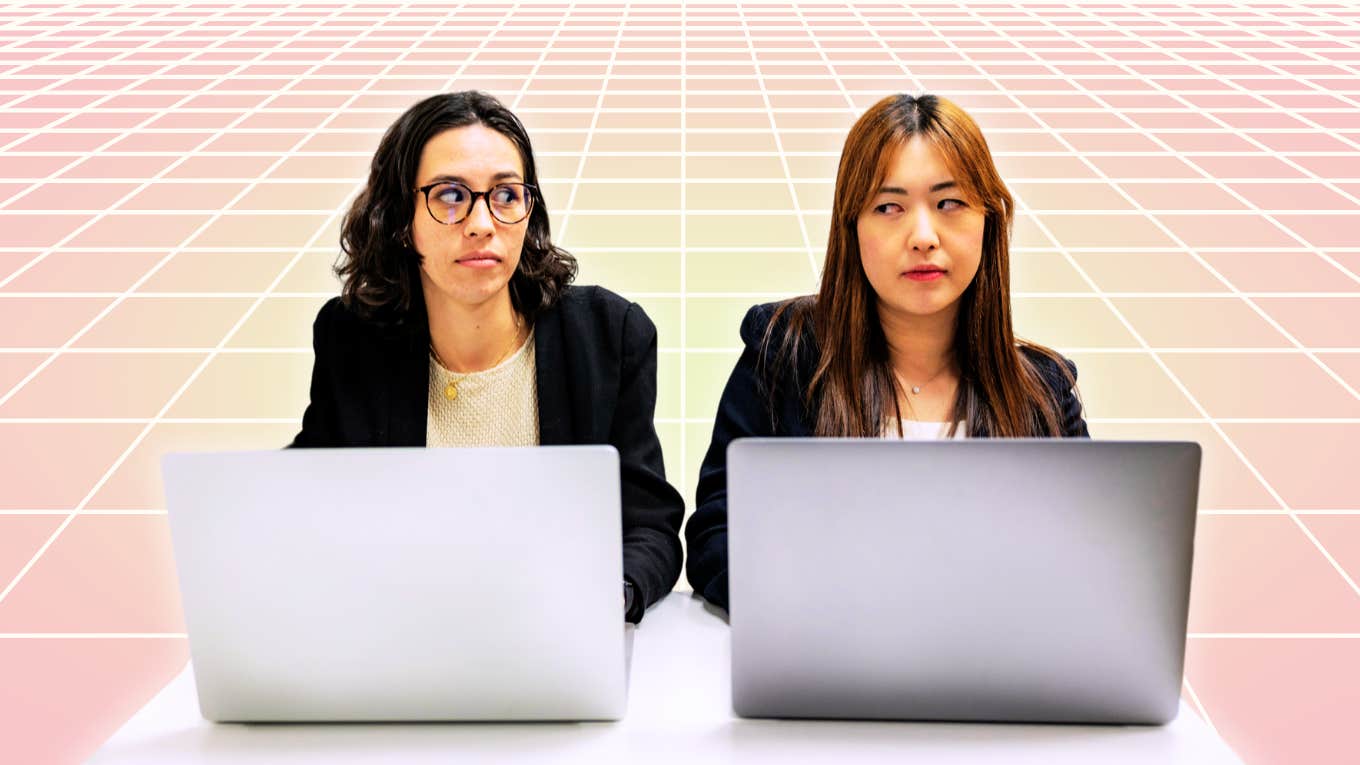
<point>554,399</point>
<point>408,391</point>
<point>406,348</point>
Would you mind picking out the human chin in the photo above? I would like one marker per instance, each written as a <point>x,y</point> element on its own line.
<point>462,284</point>
<point>477,285</point>
<point>920,303</point>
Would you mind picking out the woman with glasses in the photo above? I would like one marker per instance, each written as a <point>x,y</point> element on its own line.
<point>909,334</point>
<point>457,324</point>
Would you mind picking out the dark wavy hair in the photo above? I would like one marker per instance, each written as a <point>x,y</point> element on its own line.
<point>379,265</point>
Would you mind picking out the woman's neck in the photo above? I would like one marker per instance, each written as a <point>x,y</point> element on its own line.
<point>919,347</point>
<point>472,337</point>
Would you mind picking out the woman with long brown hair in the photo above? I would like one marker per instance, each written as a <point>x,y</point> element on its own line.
<point>909,334</point>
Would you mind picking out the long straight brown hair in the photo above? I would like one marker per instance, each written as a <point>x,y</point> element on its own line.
<point>852,391</point>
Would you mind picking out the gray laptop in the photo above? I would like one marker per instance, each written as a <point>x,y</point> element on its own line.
<point>402,584</point>
<point>1007,580</point>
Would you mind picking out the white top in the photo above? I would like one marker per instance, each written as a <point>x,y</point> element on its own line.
<point>679,711</point>
<point>913,430</point>
<point>493,407</point>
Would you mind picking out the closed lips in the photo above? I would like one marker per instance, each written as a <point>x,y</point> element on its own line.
<point>925,273</point>
<point>479,260</point>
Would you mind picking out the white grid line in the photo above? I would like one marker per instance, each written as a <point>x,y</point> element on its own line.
<point>850,104</point>
<point>132,289</point>
<point>684,249</point>
<point>1340,571</point>
<point>184,636</point>
<point>1275,324</point>
<point>779,147</point>
<point>599,212</point>
<point>1024,295</point>
<point>1283,157</point>
<point>57,82</point>
<point>14,582</point>
<point>1281,71</point>
<point>542,55</point>
<point>676,249</point>
<point>93,106</point>
<point>649,90</point>
<point>145,277</point>
<point>1199,706</point>
<point>153,511</point>
<point>594,123</point>
<point>669,420</point>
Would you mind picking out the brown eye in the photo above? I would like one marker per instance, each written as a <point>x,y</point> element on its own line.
<point>452,194</point>
<point>506,195</point>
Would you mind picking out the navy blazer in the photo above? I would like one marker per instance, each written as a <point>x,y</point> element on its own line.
<point>745,411</point>
<point>596,375</point>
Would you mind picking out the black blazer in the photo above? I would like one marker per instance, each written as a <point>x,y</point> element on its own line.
<point>596,374</point>
<point>744,411</point>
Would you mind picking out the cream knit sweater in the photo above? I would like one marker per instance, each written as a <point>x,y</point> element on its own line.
<point>494,407</point>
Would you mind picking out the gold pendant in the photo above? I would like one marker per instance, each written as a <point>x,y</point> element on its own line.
<point>451,390</point>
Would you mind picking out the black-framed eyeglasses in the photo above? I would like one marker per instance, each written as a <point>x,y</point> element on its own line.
<point>449,202</point>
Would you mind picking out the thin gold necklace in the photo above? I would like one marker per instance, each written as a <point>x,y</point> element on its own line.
<point>451,389</point>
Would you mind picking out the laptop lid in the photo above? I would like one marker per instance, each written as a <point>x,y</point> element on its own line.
<point>402,584</point>
<point>1022,580</point>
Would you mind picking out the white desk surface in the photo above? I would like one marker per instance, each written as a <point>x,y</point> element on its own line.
<point>679,710</point>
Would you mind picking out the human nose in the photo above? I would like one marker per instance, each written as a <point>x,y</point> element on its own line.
<point>922,237</point>
<point>479,221</point>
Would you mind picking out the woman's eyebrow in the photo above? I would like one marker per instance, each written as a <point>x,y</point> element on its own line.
<point>501,176</point>
<point>899,190</point>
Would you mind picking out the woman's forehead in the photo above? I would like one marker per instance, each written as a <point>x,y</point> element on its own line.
<point>472,152</point>
<point>916,162</point>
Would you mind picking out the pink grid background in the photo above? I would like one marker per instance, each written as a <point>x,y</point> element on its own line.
<point>171,177</point>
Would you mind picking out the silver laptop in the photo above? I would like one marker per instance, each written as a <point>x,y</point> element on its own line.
<point>402,584</point>
<point>1008,580</point>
